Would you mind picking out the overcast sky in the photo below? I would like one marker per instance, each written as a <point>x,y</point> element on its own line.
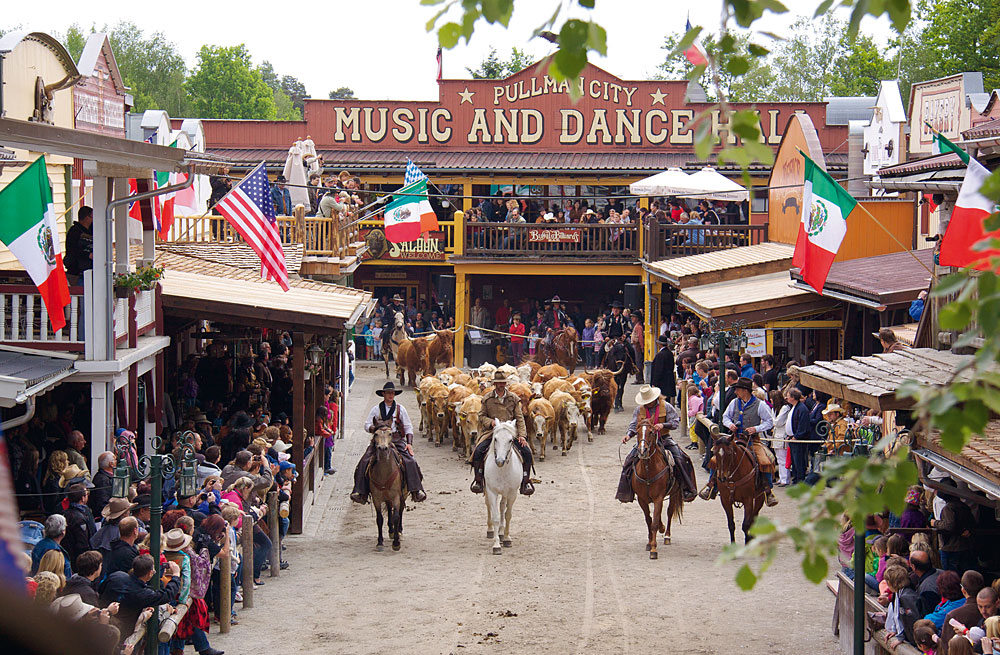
<point>380,48</point>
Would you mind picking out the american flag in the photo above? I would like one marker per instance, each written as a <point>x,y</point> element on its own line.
<point>250,210</point>
<point>413,174</point>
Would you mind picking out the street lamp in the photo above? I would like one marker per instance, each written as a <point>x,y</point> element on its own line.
<point>155,467</point>
<point>716,335</point>
<point>315,354</point>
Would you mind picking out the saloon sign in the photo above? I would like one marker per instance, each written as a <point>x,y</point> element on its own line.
<point>531,110</point>
<point>429,247</point>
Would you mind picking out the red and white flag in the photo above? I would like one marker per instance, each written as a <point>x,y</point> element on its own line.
<point>250,210</point>
<point>440,71</point>
<point>695,53</point>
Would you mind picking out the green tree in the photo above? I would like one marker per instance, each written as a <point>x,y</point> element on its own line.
<point>963,35</point>
<point>75,41</point>
<point>152,67</point>
<point>494,68</point>
<point>289,92</point>
<point>295,90</point>
<point>343,93</point>
<point>736,83</point>
<point>804,64</point>
<point>284,107</point>
<point>224,84</point>
<point>860,66</point>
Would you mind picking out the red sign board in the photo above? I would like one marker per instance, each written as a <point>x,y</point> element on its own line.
<point>553,235</point>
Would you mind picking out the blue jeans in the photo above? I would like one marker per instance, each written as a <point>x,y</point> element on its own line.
<point>958,561</point>
<point>198,639</point>
<point>261,549</point>
<point>871,582</point>
<point>327,458</point>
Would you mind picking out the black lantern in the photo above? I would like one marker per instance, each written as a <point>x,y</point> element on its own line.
<point>121,480</point>
<point>315,354</point>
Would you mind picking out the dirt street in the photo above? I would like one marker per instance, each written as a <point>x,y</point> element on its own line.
<point>577,579</point>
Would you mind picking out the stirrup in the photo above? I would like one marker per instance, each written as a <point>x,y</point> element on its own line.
<point>769,498</point>
<point>476,487</point>
<point>526,487</point>
<point>707,492</point>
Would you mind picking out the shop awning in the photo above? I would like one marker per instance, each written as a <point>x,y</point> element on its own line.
<point>876,282</point>
<point>723,265</point>
<point>307,306</point>
<point>959,468</point>
<point>25,373</point>
<point>873,381</point>
<point>710,185</point>
<point>755,299</point>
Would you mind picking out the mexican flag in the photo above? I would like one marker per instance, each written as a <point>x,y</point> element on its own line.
<point>181,202</point>
<point>965,228</point>
<point>407,216</point>
<point>825,207</point>
<point>28,227</point>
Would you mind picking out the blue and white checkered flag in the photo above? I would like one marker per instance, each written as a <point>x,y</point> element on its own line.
<point>413,174</point>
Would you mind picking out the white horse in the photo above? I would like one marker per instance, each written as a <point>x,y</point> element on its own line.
<point>503,474</point>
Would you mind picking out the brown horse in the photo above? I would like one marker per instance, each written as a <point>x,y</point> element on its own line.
<point>563,349</point>
<point>736,477</point>
<point>652,481</point>
<point>388,489</point>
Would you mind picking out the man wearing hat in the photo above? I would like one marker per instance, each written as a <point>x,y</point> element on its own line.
<point>836,442</point>
<point>661,373</point>
<point>746,417</point>
<point>389,413</point>
<point>554,321</point>
<point>650,404</point>
<point>498,403</point>
<point>113,512</point>
<point>389,321</point>
<point>281,197</point>
<point>617,323</point>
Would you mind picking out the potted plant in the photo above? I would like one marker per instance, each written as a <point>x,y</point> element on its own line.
<point>141,279</point>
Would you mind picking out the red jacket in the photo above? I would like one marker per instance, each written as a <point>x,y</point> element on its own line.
<point>517,329</point>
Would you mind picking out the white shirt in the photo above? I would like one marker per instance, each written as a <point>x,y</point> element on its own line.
<point>403,418</point>
<point>764,412</point>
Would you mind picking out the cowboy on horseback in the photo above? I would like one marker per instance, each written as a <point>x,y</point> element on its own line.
<point>652,405</point>
<point>746,417</point>
<point>554,321</point>
<point>389,413</point>
<point>499,404</point>
<point>389,321</point>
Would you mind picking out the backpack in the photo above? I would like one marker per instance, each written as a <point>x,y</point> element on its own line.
<point>201,573</point>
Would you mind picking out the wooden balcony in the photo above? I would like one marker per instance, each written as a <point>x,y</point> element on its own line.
<point>583,243</point>
<point>331,246</point>
<point>668,240</point>
<point>24,321</point>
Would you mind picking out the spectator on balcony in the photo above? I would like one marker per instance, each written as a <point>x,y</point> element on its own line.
<point>80,246</point>
<point>330,204</point>
<point>708,214</point>
<point>281,197</point>
<point>221,185</point>
<point>76,443</point>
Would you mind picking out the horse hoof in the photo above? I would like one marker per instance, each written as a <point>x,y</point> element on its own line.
<point>590,439</point>
<point>564,453</point>
<point>497,550</point>
<point>652,555</point>
<point>379,548</point>
<point>541,458</point>
<point>489,534</point>
<point>507,543</point>
<point>437,444</point>
<point>395,546</point>
<point>666,541</point>
<point>648,548</point>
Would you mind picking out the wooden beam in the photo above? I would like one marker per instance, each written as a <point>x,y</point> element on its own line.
<point>298,429</point>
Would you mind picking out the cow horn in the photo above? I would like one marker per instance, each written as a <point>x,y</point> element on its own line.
<point>618,372</point>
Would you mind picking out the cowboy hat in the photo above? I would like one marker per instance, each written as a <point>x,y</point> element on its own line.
<point>663,340</point>
<point>280,178</point>
<point>241,421</point>
<point>388,386</point>
<point>176,539</point>
<point>498,376</point>
<point>71,607</point>
<point>281,446</point>
<point>590,212</point>
<point>647,394</point>
<point>618,304</point>
<point>831,408</point>
<point>556,299</point>
<point>141,501</point>
<point>744,383</point>
<point>196,416</point>
<point>116,508</point>
<point>71,475</point>
<point>396,298</point>
<point>548,217</point>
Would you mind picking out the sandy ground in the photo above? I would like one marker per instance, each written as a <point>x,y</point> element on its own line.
<point>577,579</point>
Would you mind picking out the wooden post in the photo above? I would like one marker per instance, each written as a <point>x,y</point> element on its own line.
<point>309,423</point>
<point>275,527</point>
<point>246,541</point>
<point>685,427</point>
<point>169,626</point>
<point>461,315</point>
<point>298,426</point>
<point>300,225</point>
<point>226,586</point>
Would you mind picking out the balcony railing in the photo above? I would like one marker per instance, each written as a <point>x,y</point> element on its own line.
<point>319,236</point>
<point>581,242</point>
<point>135,315</point>
<point>24,321</point>
<point>668,240</point>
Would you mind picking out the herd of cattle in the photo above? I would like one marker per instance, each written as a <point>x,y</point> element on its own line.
<point>554,403</point>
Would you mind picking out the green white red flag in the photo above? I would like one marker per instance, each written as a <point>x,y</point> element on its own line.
<point>965,228</point>
<point>409,215</point>
<point>825,208</point>
<point>28,228</point>
<point>166,206</point>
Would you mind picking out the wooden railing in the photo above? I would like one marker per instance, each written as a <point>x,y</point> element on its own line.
<point>447,227</point>
<point>319,236</point>
<point>667,240</point>
<point>135,314</point>
<point>24,319</point>
<point>583,242</point>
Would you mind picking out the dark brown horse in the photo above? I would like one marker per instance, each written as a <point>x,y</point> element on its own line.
<point>736,476</point>
<point>563,350</point>
<point>388,489</point>
<point>652,481</point>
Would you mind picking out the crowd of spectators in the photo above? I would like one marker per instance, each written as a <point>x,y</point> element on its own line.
<point>90,551</point>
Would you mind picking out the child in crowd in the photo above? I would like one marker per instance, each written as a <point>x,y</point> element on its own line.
<point>377,338</point>
<point>695,404</point>
<point>925,638</point>
<point>876,566</point>
<point>587,347</point>
<point>897,579</point>
<point>913,516</point>
<point>366,332</point>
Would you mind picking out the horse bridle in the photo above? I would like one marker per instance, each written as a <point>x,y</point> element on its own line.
<point>397,458</point>
<point>720,477</point>
<point>640,439</point>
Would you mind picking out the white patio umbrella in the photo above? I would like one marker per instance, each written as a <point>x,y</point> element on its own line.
<point>671,182</point>
<point>709,184</point>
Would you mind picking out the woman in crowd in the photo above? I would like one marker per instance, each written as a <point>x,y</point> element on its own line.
<point>781,410</point>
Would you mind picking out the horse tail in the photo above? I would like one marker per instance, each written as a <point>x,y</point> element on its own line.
<point>676,506</point>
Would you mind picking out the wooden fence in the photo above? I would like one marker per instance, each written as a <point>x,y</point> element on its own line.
<point>594,242</point>
<point>668,240</point>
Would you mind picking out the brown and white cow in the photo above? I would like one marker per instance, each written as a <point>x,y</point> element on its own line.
<point>468,422</point>
<point>456,394</point>
<point>567,417</point>
<point>437,408</point>
<point>409,359</point>
<point>440,349</point>
<point>423,390</point>
<point>549,371</point>
<point>541,420</point>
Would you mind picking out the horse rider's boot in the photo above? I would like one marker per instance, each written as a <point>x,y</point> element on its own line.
<point>769,498</point>
<point>526,487</point>
<point>359,497</point>
<point>709,491</point>
<point>419,496</point>
<point>478,481</point>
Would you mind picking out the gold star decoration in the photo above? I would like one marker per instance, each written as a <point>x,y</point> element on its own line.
<point>466,95</point>
<point>658,97</point>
